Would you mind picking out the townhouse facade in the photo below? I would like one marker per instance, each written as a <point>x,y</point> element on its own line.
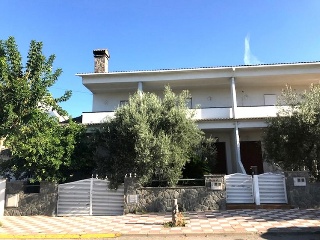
<point>231,103</point>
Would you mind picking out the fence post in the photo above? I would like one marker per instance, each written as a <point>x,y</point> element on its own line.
<point>2,195</point>
<point>91,192</point>
<point>256,189</point>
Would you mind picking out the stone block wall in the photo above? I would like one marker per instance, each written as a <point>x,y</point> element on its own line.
<point>302,196</point>
<point>159,199</point>
<point>42,203</point>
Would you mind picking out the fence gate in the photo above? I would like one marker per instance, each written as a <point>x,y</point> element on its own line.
<point>272,188</point>
<point>89,197</point>
<point>239,188</point>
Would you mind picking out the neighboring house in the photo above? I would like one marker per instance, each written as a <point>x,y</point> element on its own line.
<point>231,103</point>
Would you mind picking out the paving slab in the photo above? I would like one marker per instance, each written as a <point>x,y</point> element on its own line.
<point>199,223</point>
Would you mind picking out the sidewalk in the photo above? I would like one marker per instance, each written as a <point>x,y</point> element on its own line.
<point>210,222</point>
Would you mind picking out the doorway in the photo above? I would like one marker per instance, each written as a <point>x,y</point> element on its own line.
<point>251,155</point>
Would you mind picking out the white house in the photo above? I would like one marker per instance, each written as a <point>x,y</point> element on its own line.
<point>233,102</point>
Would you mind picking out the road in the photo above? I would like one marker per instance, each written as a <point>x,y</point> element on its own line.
<point>267,236</point>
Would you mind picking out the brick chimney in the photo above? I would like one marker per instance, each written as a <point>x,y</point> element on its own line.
<point>101,59</point>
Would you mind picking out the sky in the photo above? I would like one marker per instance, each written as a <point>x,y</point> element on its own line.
<point>160,34</point>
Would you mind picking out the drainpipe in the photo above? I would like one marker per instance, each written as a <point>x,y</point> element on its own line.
<point>240,167</point>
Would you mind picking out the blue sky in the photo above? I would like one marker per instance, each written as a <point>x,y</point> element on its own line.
<point>161,34</point>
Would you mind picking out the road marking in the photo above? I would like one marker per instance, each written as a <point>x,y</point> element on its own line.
<point>60,236</point>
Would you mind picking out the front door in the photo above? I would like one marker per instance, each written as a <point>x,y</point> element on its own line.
<point>251,155</point>
<point>221,162</point>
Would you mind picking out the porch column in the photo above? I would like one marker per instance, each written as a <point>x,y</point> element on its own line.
<point>140,90</point>
<point>234,97</point>
<point>240,167</point>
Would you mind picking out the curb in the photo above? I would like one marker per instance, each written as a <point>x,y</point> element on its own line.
<point>60,236</point>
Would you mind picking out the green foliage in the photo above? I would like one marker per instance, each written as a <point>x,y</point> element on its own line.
<point>149,136</point>
<point>292,139</point>
<point>24,89</point>
<point>39,145</point>
<point>42,148</point>
<point>202,160</point>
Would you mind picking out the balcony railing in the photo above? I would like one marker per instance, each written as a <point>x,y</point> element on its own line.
<point>200,114</point>
<point>256,112</point>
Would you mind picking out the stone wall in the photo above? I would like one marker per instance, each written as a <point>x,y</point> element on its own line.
<point>42,203</point>
<point>159,199</point>
<point>307,196</point>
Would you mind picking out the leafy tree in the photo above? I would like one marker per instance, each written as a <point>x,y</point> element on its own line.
<point>24,89</point>
<point>40,146</point>
<point>149,136</point>
<point>292,139</point>
<point>42,149</point>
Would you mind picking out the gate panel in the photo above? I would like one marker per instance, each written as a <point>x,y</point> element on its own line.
<point>89,197</point>
<point>106,201</point>
<point>239,188</point>
<point>272,188</point>
<point>74,198</point>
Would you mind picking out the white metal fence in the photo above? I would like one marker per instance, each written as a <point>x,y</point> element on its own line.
<point>271,187</point>
<point>239,188</point>
<point>263,188</point>
<point>89,197</point>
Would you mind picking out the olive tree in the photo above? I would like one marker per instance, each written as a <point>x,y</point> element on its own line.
<point>150,136</point>
<point>292,138</point>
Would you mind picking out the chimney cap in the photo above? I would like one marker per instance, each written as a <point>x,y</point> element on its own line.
<point>101,53</point>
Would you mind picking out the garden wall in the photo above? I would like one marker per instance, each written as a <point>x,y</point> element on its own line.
<point>304,195</point>
<point>42,203</point>
<point>159,199</point>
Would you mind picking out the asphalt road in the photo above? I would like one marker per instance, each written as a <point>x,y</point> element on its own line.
<point>266,236</point>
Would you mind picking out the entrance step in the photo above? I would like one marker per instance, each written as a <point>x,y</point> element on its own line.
<point>235,206</point>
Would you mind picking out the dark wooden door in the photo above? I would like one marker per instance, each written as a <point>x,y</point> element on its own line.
<point>221,163</point>
<point>251,155</point>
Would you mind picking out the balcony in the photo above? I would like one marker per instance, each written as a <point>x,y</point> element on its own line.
<point>200,114</point>
<point>213,113</point>
<point>96,117</point>
<point>256,112</point>
<point>205,113</point>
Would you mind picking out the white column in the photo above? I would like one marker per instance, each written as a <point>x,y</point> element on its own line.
<point>234,97</point>
<point>2,195</point>
<point>256,189</point>
<point>140,87</point>
<point>240,167</point>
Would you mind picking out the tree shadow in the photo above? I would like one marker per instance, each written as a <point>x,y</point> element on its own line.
<point>292,233</point>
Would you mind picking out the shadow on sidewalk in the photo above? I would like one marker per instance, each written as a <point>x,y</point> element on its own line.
<point>292,233</point>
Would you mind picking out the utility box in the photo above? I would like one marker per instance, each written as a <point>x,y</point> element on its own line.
<point>299,181</point>
<point>12,200</point>
<point>216,185</point>
<point>215,182</point>
<point>132,199</point>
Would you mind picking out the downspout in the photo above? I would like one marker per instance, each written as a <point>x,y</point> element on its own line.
<point>240,167</point>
